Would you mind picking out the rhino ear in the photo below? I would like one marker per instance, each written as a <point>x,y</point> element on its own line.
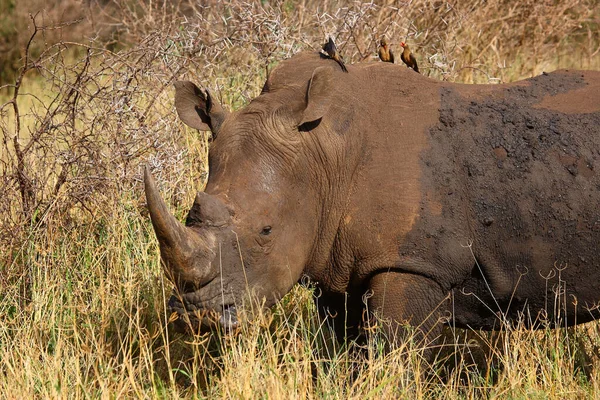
<point>318,95</point>
<point>197,109</point>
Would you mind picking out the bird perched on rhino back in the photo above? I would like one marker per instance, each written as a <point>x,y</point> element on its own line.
<point>408,58</point>
<point>331,50</point>
<point>385,53</point>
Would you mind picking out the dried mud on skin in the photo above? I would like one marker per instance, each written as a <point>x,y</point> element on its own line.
<point>525,181</point>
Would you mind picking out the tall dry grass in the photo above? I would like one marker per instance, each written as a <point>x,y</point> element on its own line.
<point>82,305</point>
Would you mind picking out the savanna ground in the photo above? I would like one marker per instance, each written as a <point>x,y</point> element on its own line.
<point>86,99</point>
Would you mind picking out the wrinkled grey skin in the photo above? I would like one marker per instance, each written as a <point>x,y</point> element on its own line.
<point>431,201</point>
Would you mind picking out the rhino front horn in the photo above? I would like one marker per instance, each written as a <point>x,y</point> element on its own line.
<point>187,254</point>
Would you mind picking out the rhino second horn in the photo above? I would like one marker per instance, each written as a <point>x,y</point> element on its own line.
<point>186,254</point>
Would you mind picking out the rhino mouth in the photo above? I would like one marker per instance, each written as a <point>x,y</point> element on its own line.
<point>197,319</point>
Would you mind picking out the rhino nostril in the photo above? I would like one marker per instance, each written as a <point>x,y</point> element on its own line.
<point>186,287</point>
<point>192,286</point>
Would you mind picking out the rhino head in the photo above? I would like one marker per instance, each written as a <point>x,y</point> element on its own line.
<point>254,229</point>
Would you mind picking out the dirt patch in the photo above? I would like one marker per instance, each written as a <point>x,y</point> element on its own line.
<point>524,180</point>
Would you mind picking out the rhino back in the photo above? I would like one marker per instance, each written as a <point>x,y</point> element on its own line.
<point>484,189</point>
<point>518,164</point>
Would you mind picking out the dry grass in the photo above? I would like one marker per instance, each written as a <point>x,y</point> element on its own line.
<point>82,299</point>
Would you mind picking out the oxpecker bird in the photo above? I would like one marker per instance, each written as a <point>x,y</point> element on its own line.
<point>385,53</point>
<point>331,50</point>
<point>408,58</point>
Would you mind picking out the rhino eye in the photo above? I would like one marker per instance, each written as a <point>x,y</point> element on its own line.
<point>266,230</point>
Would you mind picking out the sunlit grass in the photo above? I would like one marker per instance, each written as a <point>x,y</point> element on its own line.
<point>89,319</point>
<point>82,292</point>
<point>94,324</point>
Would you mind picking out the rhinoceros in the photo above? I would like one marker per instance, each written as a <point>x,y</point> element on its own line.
<point>424,202</point>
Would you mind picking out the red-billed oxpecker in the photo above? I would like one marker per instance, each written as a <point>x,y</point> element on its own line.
<point>408,58</point>
<point>385,53</point>
<point>331,50</point>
